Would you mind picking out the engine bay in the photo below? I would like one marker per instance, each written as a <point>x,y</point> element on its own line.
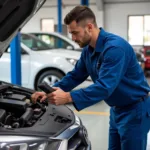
<point>16,108</point>
<point>18,112</point>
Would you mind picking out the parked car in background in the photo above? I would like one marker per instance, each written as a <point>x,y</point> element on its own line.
<point>146,51</point>
<point>40,63</point>
<point>140,56</point>
<point>141,59</point>
<point>57,40</point>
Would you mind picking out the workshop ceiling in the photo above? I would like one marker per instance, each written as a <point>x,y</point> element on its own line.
<point>99,3</point>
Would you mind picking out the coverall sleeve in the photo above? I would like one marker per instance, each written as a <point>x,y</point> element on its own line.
<point>74,77</point>
<point>111,72</point>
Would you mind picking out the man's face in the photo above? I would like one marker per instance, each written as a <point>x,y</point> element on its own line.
<point>80,33</point>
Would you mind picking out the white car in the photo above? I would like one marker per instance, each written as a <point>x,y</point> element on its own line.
<point>57,40</point>
<point>40,63</point>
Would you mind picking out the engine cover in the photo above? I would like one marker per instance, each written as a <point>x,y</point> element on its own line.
<point>19,116</point>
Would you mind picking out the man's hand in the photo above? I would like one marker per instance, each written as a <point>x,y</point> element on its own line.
<point>38,95</point>
<point>59,97</point>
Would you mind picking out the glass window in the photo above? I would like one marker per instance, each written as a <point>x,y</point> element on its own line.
<point>135,32</point>
<point>45,38</point>
<point>139,30</point>
<point>47,25</point>
<point>34,43</point>
<point>54,41</point>
<point>147,30</point>
<point>147,52</point>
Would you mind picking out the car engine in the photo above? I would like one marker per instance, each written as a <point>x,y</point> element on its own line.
<point>20,117</point>
<point>18,112</point>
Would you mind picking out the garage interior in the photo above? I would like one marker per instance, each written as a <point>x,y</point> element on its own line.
<point>129,19</point>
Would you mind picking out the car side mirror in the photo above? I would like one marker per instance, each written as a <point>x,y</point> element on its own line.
<point>23,52</point>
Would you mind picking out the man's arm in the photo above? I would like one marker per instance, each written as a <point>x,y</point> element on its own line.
<point>75,77</point>
<point>111,72</point>
<point>71,80</point>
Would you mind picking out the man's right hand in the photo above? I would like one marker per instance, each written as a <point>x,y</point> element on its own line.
<point>38,95</point>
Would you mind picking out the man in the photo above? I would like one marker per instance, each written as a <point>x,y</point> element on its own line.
<point>118,80</point>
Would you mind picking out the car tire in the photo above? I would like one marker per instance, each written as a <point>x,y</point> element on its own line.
<point>50,77</point>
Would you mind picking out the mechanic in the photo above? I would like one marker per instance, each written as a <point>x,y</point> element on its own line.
<point>118,80</point>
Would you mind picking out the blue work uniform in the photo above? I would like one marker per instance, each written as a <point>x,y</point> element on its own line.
<point>120,82</point>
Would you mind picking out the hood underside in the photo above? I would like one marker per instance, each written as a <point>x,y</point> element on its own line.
<point>14,14</point>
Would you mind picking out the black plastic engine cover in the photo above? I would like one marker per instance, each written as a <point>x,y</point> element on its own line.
<point>26,118</point>
<point>13,105</point>
<point>54,121</point>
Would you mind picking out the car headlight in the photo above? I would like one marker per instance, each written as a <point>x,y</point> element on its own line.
<point>28,143</point>
<point>72,61</point>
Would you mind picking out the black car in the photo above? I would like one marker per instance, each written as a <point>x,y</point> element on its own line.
<point>32,126</point>
<point>141,59</point>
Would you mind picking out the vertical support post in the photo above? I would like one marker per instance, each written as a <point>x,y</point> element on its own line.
<point>59,29</point>
<point>16,60</point>
<point>85,2</point>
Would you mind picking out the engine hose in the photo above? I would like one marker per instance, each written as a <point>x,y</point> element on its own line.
<point>26,116</point>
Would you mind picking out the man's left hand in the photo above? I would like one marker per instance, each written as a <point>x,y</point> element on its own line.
<point>59,97</point>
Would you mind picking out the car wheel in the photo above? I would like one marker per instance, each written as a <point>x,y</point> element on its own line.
<point>50,77</point>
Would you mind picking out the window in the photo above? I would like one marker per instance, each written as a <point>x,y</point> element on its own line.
<point>54,41</point>
<point>147,52</point>
<point>147,30</point>
<point>139,30</point>
<point>47,25</point>
<point>33,42</point>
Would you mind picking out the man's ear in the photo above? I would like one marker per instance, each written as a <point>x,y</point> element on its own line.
<point>89,27</point>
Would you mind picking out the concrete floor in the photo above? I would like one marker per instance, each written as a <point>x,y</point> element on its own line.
<point>96,119</point>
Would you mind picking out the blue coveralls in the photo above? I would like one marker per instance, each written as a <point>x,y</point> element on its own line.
<point>120,82</point>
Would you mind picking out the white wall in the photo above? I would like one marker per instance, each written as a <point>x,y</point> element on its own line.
<point>49,10</point>
<point>116,16</point>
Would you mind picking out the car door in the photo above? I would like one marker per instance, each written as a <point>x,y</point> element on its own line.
<point>5,64</point>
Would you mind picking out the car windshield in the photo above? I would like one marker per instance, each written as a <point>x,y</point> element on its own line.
<point>34,43</point>
<point>147,52</point>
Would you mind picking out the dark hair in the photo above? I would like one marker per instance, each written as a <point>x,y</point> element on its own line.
<point>78,14</point>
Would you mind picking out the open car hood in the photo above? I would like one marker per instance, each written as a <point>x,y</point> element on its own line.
<point>14,14</point>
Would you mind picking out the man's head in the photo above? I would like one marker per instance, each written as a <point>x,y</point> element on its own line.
<point>81,23</point>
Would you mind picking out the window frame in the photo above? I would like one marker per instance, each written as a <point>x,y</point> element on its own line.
<point>140,15</point>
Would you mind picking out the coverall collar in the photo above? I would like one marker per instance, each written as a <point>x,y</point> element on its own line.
<point>100,41</point>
